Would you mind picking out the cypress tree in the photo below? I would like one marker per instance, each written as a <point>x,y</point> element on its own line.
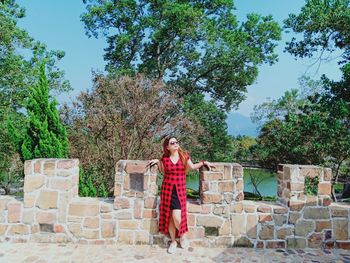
<point>45,136</point>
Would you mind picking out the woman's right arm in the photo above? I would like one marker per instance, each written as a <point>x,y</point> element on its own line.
<point>159,164</point>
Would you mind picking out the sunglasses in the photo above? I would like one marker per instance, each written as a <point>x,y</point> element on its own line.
<point>173,143</point>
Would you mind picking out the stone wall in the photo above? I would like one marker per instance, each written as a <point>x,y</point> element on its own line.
<point>52,211</point>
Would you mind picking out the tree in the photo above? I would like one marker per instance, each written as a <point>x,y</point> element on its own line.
<point>325,28</point>
<point>215,144</point>
<point>123,118</point>
<point>17,72</point>
<point>193,46</point>
<point>45,136</point>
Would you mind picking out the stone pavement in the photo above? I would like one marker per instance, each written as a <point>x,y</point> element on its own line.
<point>44,252</point>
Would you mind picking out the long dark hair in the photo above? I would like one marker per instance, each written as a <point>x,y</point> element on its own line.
<point>183,154</point>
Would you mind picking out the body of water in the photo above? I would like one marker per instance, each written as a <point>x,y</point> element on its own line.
<point>267,187</point>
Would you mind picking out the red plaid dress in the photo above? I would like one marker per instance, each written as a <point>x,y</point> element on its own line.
<point>174,174</point>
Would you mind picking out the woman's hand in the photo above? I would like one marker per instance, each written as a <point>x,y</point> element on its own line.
<point>208,165</point>
<point>153,162</point>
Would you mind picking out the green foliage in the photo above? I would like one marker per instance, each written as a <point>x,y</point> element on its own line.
<point>195,46</point>
<point>325,28</point>
<point>216,144</point>
<point>16,70</point>
<point>86,187</point>
<point>90,183</point>
<point>256,197</point>
<point>45,136</point>
<point>243,147</point>
<point>311,185</point>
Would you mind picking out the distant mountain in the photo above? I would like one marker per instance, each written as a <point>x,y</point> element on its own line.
<point>239,124</point>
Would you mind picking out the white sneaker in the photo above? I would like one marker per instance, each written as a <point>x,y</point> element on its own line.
<point>172,247</point>
<point>184,243</point>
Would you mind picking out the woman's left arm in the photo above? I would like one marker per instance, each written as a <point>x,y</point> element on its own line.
<point>195,166</point>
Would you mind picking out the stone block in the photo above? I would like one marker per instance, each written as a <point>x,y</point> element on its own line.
<point>264,209</point>
<point>126,237</point>
<point>195,232</point>
<point>236,207</point>
<point>267,232</point>
<point>92,222</point>
<point>340,229</point>
<point>18,229</point>
<point>310,171</point>
<point>238,224</point>
<point>75,229</point>
<point>324,188</point>
<point>280,210</point>
<point>211,176</point>
<point>284,232</point>
<point>28,170</point>
<point>206,208</point>
<point>123,215</point>
<point>44,217</point>
<point>90,234</point>
<point>275,244</point>
<point>293,217</point>
<point>151,225</point>
<point>303,228</point>
<point>33,182</point>
<point>316,213</point>
<point>149,213</point>
<point>242,241</point>
<point>67,164</point>
<point>49,168</point>
<point>239,185</point>
<point>296,205</point>
<point>58,228</point>
<point>193,207</point>
<point>3,229</point>
<point>61,184</point>
<point>323,224</point>
<point>343,244</point>
<point>47,199</point>
<point>191,219</point>
<point>264,218</point>
<point>315,240</point>
<point>227,172</point>
<point>121,203</point>
<point>84,208</point>
<point>108,229</point>
<point>296,242</point>
<point>29,201</point>
<point>280,220</point>
<point>251,226</point>
<point>128,224</point>
<point>14,212</point>
<point>226,186</point>
<point>249,208</point>
<point>327,174</point>
<point>106,207</point>
<point>138,208</point>
<point>142,238</point>
<point>150,202</point>
<point>209,221</point>
<point>225,229</point>
<point>211,198</point>
<point>339,212</point>
<point>117,189</point>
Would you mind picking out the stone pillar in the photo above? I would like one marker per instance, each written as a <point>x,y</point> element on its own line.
<point>135,202</point>
<point>222,185</point>
<point>49,185</point>
<point>291,186</point>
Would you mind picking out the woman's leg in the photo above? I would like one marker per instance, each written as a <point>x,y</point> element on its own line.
<point>172,229</point>
<point>176,215</point>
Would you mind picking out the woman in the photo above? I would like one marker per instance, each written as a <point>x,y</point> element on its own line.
<point>172,210</point>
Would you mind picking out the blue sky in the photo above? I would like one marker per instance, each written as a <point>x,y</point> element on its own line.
<point>58,25</point>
